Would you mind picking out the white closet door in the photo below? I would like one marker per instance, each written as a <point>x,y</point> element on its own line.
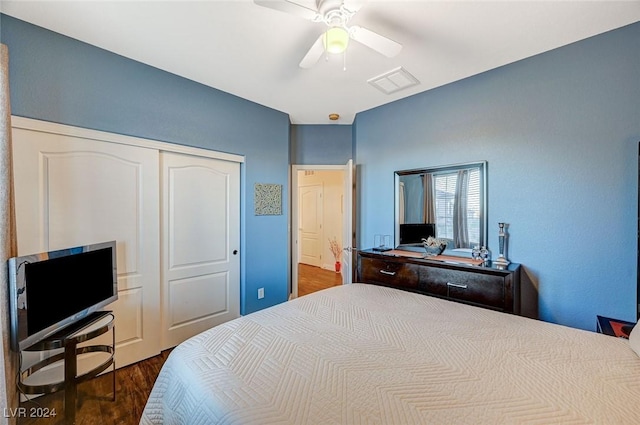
<point>201,243</point>
<point>73,191</point>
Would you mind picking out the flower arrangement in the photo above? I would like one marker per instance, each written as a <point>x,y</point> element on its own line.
<point>335,248</point>
<point>434,246</point>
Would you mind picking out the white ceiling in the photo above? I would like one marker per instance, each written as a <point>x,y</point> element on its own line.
<point>253,52</point>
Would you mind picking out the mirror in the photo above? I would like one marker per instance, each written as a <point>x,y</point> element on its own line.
<point>447,202</point>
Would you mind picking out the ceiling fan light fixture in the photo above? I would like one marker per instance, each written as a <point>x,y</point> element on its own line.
<point>336,40</point>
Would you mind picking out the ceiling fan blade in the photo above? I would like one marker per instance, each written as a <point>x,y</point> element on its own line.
<point>289,7</point>
<point>314,54</point>
<point>375,41</point>
<point>353,5</point>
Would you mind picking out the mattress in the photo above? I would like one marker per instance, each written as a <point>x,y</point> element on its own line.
<point>360,353</point>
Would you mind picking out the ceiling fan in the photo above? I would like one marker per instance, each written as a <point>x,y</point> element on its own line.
<point>334,14</point>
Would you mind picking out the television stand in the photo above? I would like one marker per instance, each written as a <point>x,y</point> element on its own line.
<point>85,329</point>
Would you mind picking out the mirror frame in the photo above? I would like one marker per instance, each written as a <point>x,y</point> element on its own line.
<point>482,165</point>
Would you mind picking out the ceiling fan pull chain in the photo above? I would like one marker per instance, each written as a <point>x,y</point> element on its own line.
<point>344,61</point>
<point>326,52</point>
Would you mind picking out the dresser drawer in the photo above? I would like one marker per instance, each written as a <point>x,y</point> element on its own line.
<point>497,289</point>
<point>390,273</point>
<point>483,289</point>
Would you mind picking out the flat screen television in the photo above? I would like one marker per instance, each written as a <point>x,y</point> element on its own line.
<point>51,290</point>
<point>413,233</point>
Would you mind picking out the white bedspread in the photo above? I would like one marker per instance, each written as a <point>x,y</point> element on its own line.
<point>368,354</point>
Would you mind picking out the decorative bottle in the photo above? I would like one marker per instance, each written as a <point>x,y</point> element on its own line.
<point>475,252</point>
<point>485,255</point>
<point>501,262</point>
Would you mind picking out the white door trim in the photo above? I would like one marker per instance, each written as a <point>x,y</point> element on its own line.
<point>85,133</point>
<point>348,224</point>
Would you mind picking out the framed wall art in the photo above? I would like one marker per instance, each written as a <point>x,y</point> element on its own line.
<point>267,199</point>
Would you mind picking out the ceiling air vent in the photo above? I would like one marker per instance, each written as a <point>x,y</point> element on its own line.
<point>392,81</point>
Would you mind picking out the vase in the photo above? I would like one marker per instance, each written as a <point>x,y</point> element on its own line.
<point>338,266</point>
<point>432,251</point>
<point>433,246</point>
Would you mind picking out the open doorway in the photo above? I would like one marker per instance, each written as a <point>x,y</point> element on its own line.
<point>318,216</point>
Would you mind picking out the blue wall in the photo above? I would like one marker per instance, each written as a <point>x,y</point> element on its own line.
<point>321,144</point>
<point>560,133</point>
<point>59,79</point>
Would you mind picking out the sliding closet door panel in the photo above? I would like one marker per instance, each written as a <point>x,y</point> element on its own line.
<point>73,191</point>
<point>200,250</point>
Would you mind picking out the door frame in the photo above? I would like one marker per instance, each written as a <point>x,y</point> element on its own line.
<point>293,229</point>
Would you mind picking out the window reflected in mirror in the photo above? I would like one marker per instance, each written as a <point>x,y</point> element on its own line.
<point>444,202</point>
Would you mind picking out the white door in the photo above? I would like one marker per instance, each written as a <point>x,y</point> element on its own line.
<point>73,191</point>
<point>200,249</point>
<point>348,224</point>
<point>310,210</point>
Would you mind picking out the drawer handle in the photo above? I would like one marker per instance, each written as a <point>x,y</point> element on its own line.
<point>457,285</point>
<point>388,273</point>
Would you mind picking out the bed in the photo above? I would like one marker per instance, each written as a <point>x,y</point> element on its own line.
<point>369,354</point>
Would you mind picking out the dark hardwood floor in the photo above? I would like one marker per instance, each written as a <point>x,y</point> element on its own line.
<point>95,405</point>
<point>312,279</point>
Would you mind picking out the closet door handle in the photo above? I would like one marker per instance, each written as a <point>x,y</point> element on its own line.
<point>388,273</point>
<point>457,285</point>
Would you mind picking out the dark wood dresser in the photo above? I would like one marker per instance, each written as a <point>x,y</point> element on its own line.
<point>483,286</point>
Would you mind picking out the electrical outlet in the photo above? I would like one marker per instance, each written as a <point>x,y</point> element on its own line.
<point>260,293</point>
